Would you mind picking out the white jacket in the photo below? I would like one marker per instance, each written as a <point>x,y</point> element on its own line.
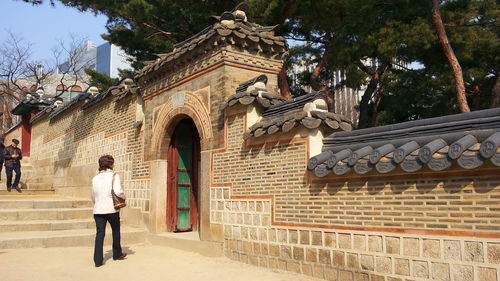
<point>101,192</point>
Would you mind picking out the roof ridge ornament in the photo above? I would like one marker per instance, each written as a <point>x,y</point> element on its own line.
<point>230,28</point>
<point>240,12</point>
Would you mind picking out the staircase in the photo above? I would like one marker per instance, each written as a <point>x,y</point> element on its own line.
<point>39,218</point>
<point>41,179</point>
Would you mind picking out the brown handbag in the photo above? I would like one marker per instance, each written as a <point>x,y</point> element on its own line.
<point>118,202</point>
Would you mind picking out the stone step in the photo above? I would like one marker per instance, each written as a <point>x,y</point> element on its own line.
<point>39,179</point>
<point>46,191</point>
<point>187,241</point>
<point>67,238</point>
<point>38,185</point>
<point>46,225</point>
<point>43,203</point>
<point>45,214</point>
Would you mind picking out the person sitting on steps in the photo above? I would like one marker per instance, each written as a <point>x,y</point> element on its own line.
<point>13,157</point>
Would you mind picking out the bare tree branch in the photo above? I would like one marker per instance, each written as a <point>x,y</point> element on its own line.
<point>71,60</point>
<point>15,54</point>
<point>159,30</point>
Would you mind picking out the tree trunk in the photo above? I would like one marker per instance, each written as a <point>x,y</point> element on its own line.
<point>495,94</point>
<point>364,105</point>
<point>476,97</point>
<point>283,84</point>
<point>282,81</point>
<point>287,11</point>
<point>450,55</point>
<point>313,80</point>
<point>374,111</point>
<point>316,86</point>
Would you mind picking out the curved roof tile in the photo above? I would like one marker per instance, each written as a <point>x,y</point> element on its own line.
<point>469,139</point>
<point>281,114</point>
<point>230,24</point>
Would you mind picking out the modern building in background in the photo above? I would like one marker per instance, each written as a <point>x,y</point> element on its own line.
<point>110,58</point>
<point>68,81</point>
<point>106,58</point>
<point>83,58</point>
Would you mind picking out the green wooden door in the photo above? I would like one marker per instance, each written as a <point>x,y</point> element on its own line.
<point>184,177</point>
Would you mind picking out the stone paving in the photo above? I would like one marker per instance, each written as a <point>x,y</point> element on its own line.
<point>144,263</point>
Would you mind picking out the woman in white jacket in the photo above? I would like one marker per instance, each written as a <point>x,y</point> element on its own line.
<point>104,210</point>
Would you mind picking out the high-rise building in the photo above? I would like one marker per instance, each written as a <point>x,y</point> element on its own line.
<point>83,57</point>
<point>106,58</point>
<point>110,58</point>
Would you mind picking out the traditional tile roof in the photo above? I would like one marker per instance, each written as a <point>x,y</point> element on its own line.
<point>467,139</point>
<point>125,88</point>
<point>280,114</point>
<point>254,91</point>
<point>47,109</point>
<point>59,106</point>
<point>91,97</point>
<point>95,98</point>
<point>33,100</point>
<point>233,25</point>
<point>57,109</point>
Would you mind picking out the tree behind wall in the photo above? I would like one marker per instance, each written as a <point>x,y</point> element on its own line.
<point>19,73</point>
<point>343,35</point>
<point>393,34</point>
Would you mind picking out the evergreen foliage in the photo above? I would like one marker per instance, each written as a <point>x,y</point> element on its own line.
<point>347,35</point>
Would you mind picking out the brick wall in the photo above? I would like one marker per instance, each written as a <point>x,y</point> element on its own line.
<point>13,134</point>
<point>66,148</point>
<point>271,211</point>
<point>275,214</point>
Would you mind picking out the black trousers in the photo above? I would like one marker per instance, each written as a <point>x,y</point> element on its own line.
<point>100,223</point>
<point>16,168</point>
<point>1,166</point>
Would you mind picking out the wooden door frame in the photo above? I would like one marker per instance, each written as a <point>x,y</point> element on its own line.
<point>173,162</point>
<point>171,186</point>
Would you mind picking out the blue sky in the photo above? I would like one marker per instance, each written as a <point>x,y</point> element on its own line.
<point>43,25</point>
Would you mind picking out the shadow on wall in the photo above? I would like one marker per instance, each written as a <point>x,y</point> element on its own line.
<point>255,150</point>
<point>398,187</point>
<point>82,123</point>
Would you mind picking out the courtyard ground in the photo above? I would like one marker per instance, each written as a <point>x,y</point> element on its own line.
<point>143,263</point>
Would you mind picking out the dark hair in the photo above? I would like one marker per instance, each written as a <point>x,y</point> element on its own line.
<point>106,162</point>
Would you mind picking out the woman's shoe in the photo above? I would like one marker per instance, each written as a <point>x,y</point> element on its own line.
<point>122,257</point>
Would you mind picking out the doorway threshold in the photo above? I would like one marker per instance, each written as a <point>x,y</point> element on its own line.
<point>187,241</point>
<point>186,235</point>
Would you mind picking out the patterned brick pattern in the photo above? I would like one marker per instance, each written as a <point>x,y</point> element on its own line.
<point>250,185</point>
<point>274,213</point>
<point>228,55</point>
<point>456,204</point>
<point>261,170</point>
<point>459,204</point>
<point>78,138</point>
<point>355,255</point>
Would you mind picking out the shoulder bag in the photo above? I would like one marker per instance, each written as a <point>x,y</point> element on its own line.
<point>118,202</point>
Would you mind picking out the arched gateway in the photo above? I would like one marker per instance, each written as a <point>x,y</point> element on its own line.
<point>183,177</point>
